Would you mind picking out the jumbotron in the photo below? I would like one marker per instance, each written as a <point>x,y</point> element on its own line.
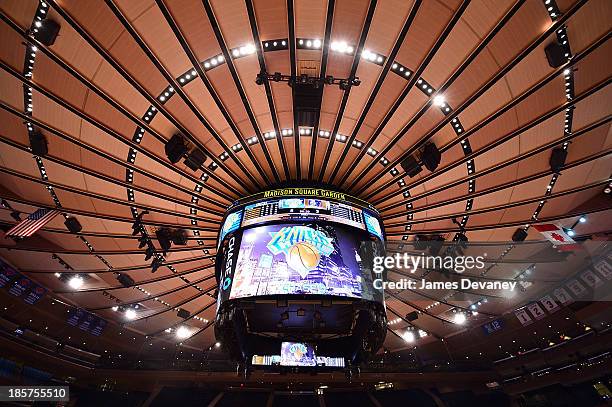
<point>295,280</point>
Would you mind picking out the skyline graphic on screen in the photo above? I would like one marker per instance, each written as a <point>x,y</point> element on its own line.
<point>299,259</point>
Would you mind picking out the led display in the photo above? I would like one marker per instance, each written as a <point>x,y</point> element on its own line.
<point>297,354</point>
<point>305,258</point>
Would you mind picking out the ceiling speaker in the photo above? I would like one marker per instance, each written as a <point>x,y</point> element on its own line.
<point>555,54</point>
<point>430,156</point>
<point>557,159</point>
<point>38,142</point>
<point>125,280</point>
<point>411,166</point>
<point>412,316</point>
<point>519,235</point>
<point>195,159</point>
<point>47,32</point>
<point>183,313</point>
<point>73,224</point>
<point>175,148</point>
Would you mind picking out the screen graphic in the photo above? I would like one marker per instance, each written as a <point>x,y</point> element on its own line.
<point>300,259</point>
<point>373,225</point>
<point>297,354</point>
<point>232,222</point>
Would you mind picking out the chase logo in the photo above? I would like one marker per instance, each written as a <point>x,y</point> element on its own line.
<point>228,262</point>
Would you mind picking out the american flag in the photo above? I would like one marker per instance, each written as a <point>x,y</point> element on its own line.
<point>32,223</point>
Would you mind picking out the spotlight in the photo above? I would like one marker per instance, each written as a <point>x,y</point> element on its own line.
<point>58,275</point>
<point>182,333</point>
<point>459,318</point>
<point>261,78</point>
<point>571,233</point>
<point>408,336</point>
<point>115,308</point>
<point>156,264</point>
<point>422,333</point>
<point>217,344</point>
<point>76,282</point>
<point>130,314</point>
<point>439,100</point>
<point>582,219</point>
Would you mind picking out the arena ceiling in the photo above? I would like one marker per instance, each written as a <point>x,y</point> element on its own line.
<point>124,76</point>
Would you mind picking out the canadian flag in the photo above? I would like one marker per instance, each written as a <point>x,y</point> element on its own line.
<point>554,233</point>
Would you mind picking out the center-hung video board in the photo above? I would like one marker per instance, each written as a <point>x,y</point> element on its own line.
<point>293,244</point>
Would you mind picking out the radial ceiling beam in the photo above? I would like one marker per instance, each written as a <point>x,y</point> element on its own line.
<point>268,89</point>
<point>292,63</point>
<point>502,224</point>
<point>72,109</point>
<point>500,74</point>
<point>139,283</point>
<point>141,89</point>
<point>179,90</point>
<point>117,201</point>
<point>466,63</point>
<point>117,182</point>
<point>381,78</point>
<point>497,167</point>
<point>345,95</point>
<point>329,21</point>
<point>507,137</point>
<point>245,101</point>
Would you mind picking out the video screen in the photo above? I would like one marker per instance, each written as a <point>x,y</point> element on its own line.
<point>232,222</point>
<point>297,354</point>
<point>303,258</point>
<point>373,225</point>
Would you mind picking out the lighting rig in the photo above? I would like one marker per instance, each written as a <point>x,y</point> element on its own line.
<point>316,82</point>
<point>145,240</point>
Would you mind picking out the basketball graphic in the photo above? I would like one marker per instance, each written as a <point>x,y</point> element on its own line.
<point>303,257</point>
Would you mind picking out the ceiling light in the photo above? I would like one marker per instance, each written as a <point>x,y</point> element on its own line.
<point>217,344</point>
<point>459,318</point>
<point>439,100</point>
<point>571,233</point>
<point>115,308</point>
<point>408,336</point>
<point>182,333</point>
<point>130,313</point>
<point>582,219</point>
<point>58,275</point>
<point>76,282</point>
<point>316,43</point>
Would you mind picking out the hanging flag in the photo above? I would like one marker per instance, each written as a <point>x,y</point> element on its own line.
<point>554,233</point>
<point>32,223</point>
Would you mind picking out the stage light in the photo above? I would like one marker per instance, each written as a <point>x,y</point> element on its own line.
<point>130,313</point>
<point>408,336</point>
<point>459,318</point>
<point>183,333</point>
<point>422,333</point>
<point>582,219</point>
<point>58,275</point>
<point>76,282</point>
<point>115,308</point>
<point>217,344</point>
<point>439,100</point>
<point>571,233</point>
